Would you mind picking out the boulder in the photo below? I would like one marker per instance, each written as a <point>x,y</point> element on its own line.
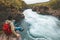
<point>7,11</point>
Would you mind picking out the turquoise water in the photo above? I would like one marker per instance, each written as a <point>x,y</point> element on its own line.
<point>40,27</point>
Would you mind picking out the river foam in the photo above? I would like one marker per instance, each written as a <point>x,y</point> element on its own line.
<point>42,27</point>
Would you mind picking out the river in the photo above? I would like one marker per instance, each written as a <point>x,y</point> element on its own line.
<point>40,27</point>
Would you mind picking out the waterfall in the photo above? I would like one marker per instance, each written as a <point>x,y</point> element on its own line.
<point>42,27</point>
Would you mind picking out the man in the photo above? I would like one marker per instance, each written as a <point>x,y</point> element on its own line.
<point>9,29</point>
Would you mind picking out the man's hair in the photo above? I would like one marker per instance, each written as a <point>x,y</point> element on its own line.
<point>9,17</point>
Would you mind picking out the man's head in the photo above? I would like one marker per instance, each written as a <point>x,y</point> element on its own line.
<point>10,17</point>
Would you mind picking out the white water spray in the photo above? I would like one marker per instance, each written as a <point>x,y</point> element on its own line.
<point>42,27</point>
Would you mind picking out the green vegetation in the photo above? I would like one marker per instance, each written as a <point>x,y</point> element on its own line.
<point>55,4</point>
<point>15,3</point>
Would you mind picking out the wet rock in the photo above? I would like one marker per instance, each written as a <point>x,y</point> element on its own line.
<point>6,11</point>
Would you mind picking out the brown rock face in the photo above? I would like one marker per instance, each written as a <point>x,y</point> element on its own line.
<point>6,11</point>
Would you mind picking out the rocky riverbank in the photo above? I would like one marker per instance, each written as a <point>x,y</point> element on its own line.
<point>6,11</point>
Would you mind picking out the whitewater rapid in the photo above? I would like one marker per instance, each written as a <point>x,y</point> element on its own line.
<point>42,27</point>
